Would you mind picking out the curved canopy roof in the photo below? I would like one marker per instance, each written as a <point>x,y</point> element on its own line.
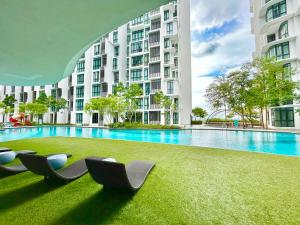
<point>41,40</point>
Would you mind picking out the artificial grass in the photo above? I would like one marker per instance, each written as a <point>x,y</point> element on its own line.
<point>189,185</point>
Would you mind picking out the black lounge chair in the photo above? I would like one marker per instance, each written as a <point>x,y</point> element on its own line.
<point>4,149</point>
<point>39,165</point>
<point>117,175</point>
<point>15,169</point>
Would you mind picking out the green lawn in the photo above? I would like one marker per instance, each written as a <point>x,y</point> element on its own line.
<point>189,185</point>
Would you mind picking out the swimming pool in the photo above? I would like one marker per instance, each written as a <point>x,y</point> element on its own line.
<point>268,142</point>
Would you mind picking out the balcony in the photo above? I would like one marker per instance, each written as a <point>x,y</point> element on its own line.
<point>154,75</point>
<point>155,106</point>
<point>155,12</point>
<point>155,59</point>
<point>154,122</point>
<point>153,91</point>
<point>154,44</point>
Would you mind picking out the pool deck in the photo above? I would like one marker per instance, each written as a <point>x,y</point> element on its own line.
<point>204,127</point>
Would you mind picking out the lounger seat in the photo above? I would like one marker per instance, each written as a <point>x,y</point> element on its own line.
<point>39,165</point>
<point>117,175</point>
<point>4,149</point>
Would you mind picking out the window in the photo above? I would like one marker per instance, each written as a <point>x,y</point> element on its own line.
<point>96,90</point>
<point>96,63</point>
<point>154,68</point>
<point>283,117</point>
<point>168,118</point>
<point>116,51</point>
<point>146,74</point>
<point>154,38</point>
<point>137,20</point>
<point>167,43</point>
<point>115,37</point>
<point>137,60</point>
<point>147,31</point>
<point>276,10</point>
<point>175,118</point>
<point>146,18</point>
<point>284,30</point>
<point>279,51</point>
<point>287,71</point>
<point>147,88</point>
<point>169,28</point>
<point>170,87</point>
<point>156,85</point>
<point>115,63</point>
<point>79,105</point>
<point>80,78</point>
<point>80,92</point>
<point>166,15</point>
<point>137,47</point>
<point>96,49</point>
<point>155,52</point>
<point>167,72</point>
<point>271,38</point>
<point>136,75</point>
<point>128,39</point>
<point>95,118</point>
<point>140,103</point>
<point>137,35</point>
<point>146,103</point>
<point>79,118</point>
<point>42,87</point>
<point>80,66</point>
<point>146,119</point>
<point>167,57</point>
<point>146,46</point>
<point>116,77</point>
<point>96,77</point>
<point>155,24</point>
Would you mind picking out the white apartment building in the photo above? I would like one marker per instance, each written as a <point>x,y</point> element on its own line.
<point>276,26</point>
<point>153,50</point>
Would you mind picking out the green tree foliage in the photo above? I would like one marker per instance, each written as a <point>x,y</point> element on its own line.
<point>42,99</point>
<point>252,89</point>
<point>56,105</point>
<point>36,109</point>
<point>199,112</point>
<point>9,101</point>
<point>165,103</point>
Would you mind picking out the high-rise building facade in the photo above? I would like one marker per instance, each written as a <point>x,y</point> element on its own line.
<point>276,26</point>
<point>153,50</point>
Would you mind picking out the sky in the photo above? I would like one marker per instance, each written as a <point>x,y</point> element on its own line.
<point>221,41</point>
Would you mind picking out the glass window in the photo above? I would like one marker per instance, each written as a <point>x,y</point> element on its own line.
<point>284,30</point>
<point>276,10</point>
<point>136,75</point>
<point>137,47</point>
<point>96,90</point>
<point>80,92</point>
<point>96,63</point>
<point>166,15</point>
<point>175,118</point>
<point>137,20</point>
<point>116,51</point>
<point>137,35</point>
<point>283,117</point>
<point>79,118</point>
<point>115,63</point>
<point>80,78</point>
<point>167,72</point>
<point>95,118</point>
<point>79,104</point>
<point>170,28</point>
<point>116,77</point>
<point>80,66</point>
<point>146,118</point>
<point>167,57</point>
<point>167,42</point>
<point>137,60</point>
<point>279,51</point>
<point>287,70</point>
<point>96,77</point>
<point>271,38</point>
<point>146,74</point>
<point>96,49</point>
<point>115,37</point>
<point>170,87</point>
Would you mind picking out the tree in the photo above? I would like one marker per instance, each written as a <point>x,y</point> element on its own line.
<point>9,101</point>
<point>165,103</point>
<point>36,109</point>
<point>199,112</point>
<point>218,94</point>
<point>271,86</point>
<point>56,105</point>
<point>97,104</point>
<point>42,99</point>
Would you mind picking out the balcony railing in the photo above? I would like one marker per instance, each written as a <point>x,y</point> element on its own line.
<point>155,12</point>
<point>154,43</point>
<point>154,75</point>
<point>154,59</point>
<point>154,106</point>
<point>154,122</point>
<point>153,91</point>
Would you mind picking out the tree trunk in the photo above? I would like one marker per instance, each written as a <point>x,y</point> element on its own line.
<point>267,118</point>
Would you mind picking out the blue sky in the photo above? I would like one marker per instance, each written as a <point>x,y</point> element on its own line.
<point>221,41</point>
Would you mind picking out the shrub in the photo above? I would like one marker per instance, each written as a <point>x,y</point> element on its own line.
<point>128,125</point>
<point>197,122</point>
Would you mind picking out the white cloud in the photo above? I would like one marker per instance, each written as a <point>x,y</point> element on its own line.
<point>225,51</point>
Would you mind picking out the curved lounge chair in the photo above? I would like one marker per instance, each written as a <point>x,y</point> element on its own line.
<point>15,169</point>
<point>39,165</point>
<point>4,149</point>
<point>117,175</point>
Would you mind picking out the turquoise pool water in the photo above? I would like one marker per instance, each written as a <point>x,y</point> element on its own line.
<point>268,142</point>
